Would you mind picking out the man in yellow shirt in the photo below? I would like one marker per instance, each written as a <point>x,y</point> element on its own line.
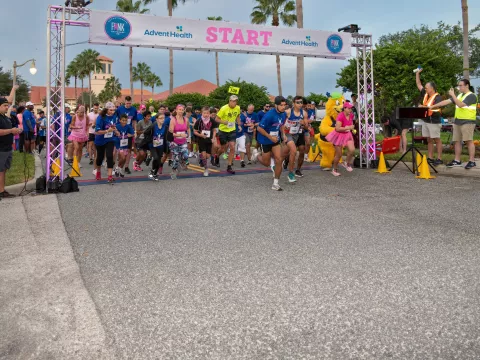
<point>228,117</point>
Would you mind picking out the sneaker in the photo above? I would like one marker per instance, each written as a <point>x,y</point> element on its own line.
<point>79,165</point>
<point>255,156</point>
<point>6,195</point>
<point>173,175</point>
<point>110,179</point>
<point>291,177</point>
<point>147,161</point>
<point>249,163</point>
<point>94,172</point>
<point>90,162</point>
<point>437,162</point>
<point>87,155</point>
<point>127,171</point>
<point>122,173</point>
<point>155,178</point>
<point>151,175</point>
<point>205,173</point>
<point>276,187</point>
<point>116,172</point>
<point>170,162</point>
<point>430,161</point>
<point>298,173</point>
<point>98,175</point>
<point>230,170</point>
<point>454,163</point>
<point>347,167</point>
<point>225,156</point>
<point>191,155</point>
<point>470,164</point>
<point>335,173</point>
<point>242,164</point>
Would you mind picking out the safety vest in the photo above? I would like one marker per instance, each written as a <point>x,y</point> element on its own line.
<point>428,101</point>
<point>467,112</point>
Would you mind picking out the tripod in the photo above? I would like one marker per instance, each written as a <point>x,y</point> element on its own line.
<point>413,150</point>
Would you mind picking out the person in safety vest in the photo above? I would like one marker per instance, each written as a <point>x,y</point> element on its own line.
<point>465,117</point>
<point>432,124</point>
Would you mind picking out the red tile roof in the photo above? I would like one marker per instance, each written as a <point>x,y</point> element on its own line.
<point>201,86</point>
<point>38,93</point>
<point>104,58</point>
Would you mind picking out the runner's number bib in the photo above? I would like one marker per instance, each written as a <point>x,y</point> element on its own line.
<point>231,125</point>
<point>108,135</point>
<point>274,133</point>
<point>206,133</point>
<point>123,142</point>
<point>157,142</point>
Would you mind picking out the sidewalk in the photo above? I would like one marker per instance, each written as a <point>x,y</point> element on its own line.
<point>45,310</point>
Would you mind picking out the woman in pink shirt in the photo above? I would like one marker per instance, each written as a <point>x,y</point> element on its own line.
<point>79,131</point>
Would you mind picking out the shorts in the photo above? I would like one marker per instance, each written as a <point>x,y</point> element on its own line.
<point>268,148</point>
<point>298,139</point>
<point>28,136</point>
<point>227,137</point>
<point>240,144</point>
<point>43,138</point>
<point>166,147</point>
<point>205,146</point>
<point>142,148</point>
<point>91,137</point>
<point>130,142</point>
<point>5,160</point>
<point>463,132</point>
<point>431,130</point>
<point>248,138</point>
<point>123,152</point>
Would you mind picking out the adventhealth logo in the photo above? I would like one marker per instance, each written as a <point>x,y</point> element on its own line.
<point>117,28</point>
<point>175,34</point>
<point>307,42</point>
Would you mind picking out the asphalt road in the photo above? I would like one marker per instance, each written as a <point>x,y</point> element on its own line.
<point>364,266</point>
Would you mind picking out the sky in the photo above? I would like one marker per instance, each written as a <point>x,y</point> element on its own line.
<point>376,17</point>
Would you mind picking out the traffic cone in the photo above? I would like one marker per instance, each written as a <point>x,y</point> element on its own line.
<point>419,161</point>
<point>424,170</point>
<point>382,165</point>
<point>75,168</point>
<point>56,167</point>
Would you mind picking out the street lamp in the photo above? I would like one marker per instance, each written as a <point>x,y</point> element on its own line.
<point>33,71</point>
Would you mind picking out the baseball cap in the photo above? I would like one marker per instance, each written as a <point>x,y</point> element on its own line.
<point>143,107</point>
<point>110,105</point>
<point>3,100</point>
<point>233,98</point>
<point>279,100</point>
<point>347,105</point>
<point>29,103</point>
<point>68,106</point>
<point>312,103</point>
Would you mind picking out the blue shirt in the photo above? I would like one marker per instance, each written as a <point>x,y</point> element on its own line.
<point>139,116</point>
<point>68,120</point>
<point>271,123</point>
<point>28,117</point>
<point>104,123</point>
<point>124,131</point>
<point>239,130</point>
<point>247,119</point>
<point>311,114</point>
<point>191,123</point>
<point>131,113</point>
<point>260,115</point>
<point>43,122</point>
<point>158,135</point>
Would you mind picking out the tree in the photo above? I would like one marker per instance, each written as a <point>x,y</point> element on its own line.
<point>87,96</point>
<point>279,10</point>
<point>73,71</point>
<point>318,98</point>
<point>111,91</point>
<point>216,18</point>
<point>438,50</point>
<point>196,99</point>
<point>128,6</point>
<point>6,83</point>
<point>466,71</point>
<point>141,72</point>
<point>300,59</point>
<point>152,81</point>
<point>87,62</point>
<point>249,94</point>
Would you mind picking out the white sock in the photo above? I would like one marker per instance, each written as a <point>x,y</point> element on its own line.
<point>272,162</point>
<point>275,181</point>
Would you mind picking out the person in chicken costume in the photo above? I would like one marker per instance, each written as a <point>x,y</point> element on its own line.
<point>333,107</point>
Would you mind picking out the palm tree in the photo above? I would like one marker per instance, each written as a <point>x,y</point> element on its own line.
<point>300,59</point>
<point>466,63</point>
<point>283,10</point>
<point>112,90</point>
<point>141,72</point>
<point>216,18</point>
<point>152,81</point>
<point>88,63</point>
<point>128,6</point>
<point>73,71</point>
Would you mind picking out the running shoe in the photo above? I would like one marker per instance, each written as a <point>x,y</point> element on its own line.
<point>242,164</point>
<point>98,175</point>
<point>454,163</point>
<point>87,155</point>
<point>110,179</point>
<point>94,172</point>
<point>347,166</point>
<point>116,172</point>
<point>276,187</point>
<point>335,173</point>
<point>291,177</point>
<point>249,163</point>
<point>217,162</point>
<point>151,175</point>
<point>470,164</point>
<point>191,155</point>
<point>148,160</point>
<point>298,173</point>
<point>122,173</point>
<point>430,161</point>
<point>127,171</point>
<point>90,162</point>
<point>136,167</point>
<point>230,170</point>
<point>170,162</point>
<point>437,162</point>
<point>155,178</point>
<point>173,175</point>
<point>225,156</point>
<point>205,173</point>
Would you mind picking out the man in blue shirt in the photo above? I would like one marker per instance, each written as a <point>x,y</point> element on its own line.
<point>269,138</point>
<point>261,113</point>
<point>42,126</point>
<point>132,120</point>
<point>29,124</point>
<point>249,121</point>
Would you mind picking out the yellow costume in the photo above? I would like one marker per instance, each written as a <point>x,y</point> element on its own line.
<point>333,107</point>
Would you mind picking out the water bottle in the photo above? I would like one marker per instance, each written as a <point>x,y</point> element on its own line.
<point>417,69</point>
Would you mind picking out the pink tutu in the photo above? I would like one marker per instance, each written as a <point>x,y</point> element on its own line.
<point>339,138</point>
<point>78,138</point>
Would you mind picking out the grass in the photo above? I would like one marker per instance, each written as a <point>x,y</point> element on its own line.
<point>17,172</point>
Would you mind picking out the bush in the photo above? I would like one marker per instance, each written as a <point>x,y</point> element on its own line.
<point>196,99</point>
<point>249,94</point>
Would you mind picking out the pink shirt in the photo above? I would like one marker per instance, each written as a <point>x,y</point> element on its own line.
<point>345,122</point>
<point>92,119</point>
<point>79,122</point>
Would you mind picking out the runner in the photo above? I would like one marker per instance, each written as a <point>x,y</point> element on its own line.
<point>227,117</point>
<point>261,113</point>
<point>214,159</point>
<point>166,149</point>
<point>192,141</point>
<point>269,138</point>
<point>240,144</point>
<point>132,120</point>
<point>294,137</point>
<point>180,130</point>
<point>125,131</point>
<point>92,119</point>
<point>79,131</point>
<point>141,148</point>
<point>311,113</point>
<point>157,145</point>
<point>249,122</point>
<point>104,140</point>
<point>151,108</point>
<point>205,129</point>
<point>42,131</point>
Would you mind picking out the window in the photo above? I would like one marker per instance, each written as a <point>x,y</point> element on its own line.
<point>104,68</point>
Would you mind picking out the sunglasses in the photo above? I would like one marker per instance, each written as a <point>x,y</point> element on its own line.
<point>298,102</point>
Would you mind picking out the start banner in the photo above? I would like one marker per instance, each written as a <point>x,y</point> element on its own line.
<point>114,28</point>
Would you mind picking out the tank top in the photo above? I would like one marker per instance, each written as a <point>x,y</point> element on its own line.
<point>292,125</point>
<point>80,123</point>
<point>178,128</point>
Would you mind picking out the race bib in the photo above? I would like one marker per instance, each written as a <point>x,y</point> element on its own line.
<point>108,135</point>
<point>300,131</point>
<point>294,129</point>
<point>123,142</point>
<point>129,121</point>
<point>274,133</point>
<point>157,142</point>
<point>206,133</point>
<point>250,129</point>
<point>231,125</point>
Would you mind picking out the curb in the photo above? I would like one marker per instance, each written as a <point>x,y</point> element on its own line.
<point>443,170</point>
<point>16,189</point>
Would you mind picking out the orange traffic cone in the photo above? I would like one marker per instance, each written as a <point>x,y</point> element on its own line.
<point>56,167</point>
<point>75,168</point>
<point>424,170</point>
<point>382,165</point>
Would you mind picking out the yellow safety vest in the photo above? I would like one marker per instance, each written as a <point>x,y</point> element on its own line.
<point>467,112</point>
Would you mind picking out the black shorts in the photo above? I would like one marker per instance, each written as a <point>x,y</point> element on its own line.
<point>205,146</point>
<point>226,137</point>
<point>166,147</point>
<point>43,138</point>
<point>268,148</point>
<point>28,136</point>
<point>142,148</point>
<point>91,137</point>
<point>301,140</point>
<point>130,142</point>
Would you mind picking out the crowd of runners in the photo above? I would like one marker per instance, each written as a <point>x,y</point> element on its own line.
<point>279,135</point>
